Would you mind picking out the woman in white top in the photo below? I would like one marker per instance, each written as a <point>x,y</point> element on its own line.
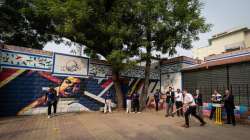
<point>191,109</point>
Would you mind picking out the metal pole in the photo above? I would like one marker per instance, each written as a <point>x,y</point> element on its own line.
<point>227,67</point>
<point>239,94</point>
<point>160,73</point>
<point>160,76</point>
<point>248,102</point>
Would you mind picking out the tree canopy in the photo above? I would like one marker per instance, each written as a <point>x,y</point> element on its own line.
<point>115,29</point>
<point>166,25</point>
<point>16,29</point>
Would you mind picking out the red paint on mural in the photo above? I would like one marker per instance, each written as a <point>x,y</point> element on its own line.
<point>6,73</point>
<point>105,84</point>
<point>50,77</point>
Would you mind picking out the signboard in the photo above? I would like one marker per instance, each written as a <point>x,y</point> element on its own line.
<point>68,65</point>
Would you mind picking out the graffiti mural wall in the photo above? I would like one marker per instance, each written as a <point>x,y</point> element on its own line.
<point>25,78</point>
<point>15,59</point>
<point>23,91</point>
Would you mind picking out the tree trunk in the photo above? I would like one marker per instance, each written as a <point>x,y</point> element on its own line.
<point>118,90</point>
<point>143,97</point>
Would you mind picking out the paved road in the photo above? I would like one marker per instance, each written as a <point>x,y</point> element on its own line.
<point>115,126</point>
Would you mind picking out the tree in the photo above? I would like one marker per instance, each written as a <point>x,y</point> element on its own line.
<point>17,30</point>
<point>167,24</point>
<point>104,26</point>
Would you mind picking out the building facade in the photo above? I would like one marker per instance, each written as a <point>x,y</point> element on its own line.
<point>82,83</point>
<point>171,71</point>
<point>231,40</point>
<point>220,72</point>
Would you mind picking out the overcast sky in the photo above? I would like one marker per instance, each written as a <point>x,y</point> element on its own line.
<point>223,14</point>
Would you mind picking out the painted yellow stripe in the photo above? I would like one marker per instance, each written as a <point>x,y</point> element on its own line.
<point>134,86</point>
<point>10,78</point>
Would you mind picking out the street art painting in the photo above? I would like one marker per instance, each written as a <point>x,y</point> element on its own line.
<point>100,70</point>
<point>20,60</point>
<point>76,94</point>
<point>28,96</point>
<point>68,65</point>
<point>82,86</point>
<point>139,73</point>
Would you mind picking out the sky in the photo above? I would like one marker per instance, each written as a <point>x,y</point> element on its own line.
<point>222,14</point>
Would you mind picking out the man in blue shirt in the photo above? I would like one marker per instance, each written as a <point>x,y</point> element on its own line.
<point>51,100</point>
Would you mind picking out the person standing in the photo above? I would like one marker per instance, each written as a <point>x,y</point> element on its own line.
<point>135,102</point>
<point>157,99</point>
<point>229,107</point>
<point>191,109</point>
<point>51,100</point>
<point>128,101</point>
<point>216,99</point>
<point>179,102</point>
<point>108,102</point>
<point>199,102</point>
<point>170,102</point>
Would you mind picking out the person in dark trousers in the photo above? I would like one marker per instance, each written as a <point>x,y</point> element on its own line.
<point>135,102</point>
<point>216,99</point>
<point>157,99</point>
<point>170,102</point>
<point>199,102</point>
<point>191,109</point>
<point>108,102</point>
<point>179,102</point>
<point>229,107</point>
<point>51,100</point>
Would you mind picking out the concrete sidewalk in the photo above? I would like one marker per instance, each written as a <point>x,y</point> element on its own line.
<point>115,126</point>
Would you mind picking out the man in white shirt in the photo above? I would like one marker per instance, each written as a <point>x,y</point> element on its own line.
<point>191,109</point>
<point>179,102</point>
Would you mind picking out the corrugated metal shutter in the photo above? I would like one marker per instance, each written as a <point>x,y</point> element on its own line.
<point>216,78</point>
<point>239,79</point>
<point>206,81</point>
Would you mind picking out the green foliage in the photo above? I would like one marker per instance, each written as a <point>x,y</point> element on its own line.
<point>167,24</point>
<point>16,29</point>
<point>104,26</point>
<point>118,60</point>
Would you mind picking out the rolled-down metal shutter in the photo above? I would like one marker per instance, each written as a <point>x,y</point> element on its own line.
<point>239,79</point>
<point>206,81</point>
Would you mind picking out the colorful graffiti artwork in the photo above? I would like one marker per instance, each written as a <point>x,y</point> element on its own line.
<point>81,86</point>
<point>138,72</point>
<point>77,94</point>
<point>99,70</point>
<point>66,65</point>
<point>30,86</point>
<point>22,60</point>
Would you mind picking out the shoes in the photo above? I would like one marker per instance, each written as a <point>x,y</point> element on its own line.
<point>49,116</point>
<point>202,124</point>
<point>185,126</point>
<point>166,115</point>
